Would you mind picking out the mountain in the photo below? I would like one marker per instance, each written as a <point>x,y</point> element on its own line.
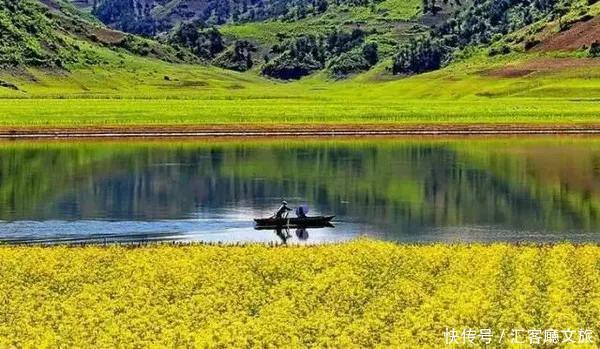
<point>29,36</point>
<point>291,39</point>
<point>151,17</point>
<point>54,34</point>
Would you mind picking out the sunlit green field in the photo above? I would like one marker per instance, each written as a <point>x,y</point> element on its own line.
<point>106,112</point>
<point>136,91</point>
<point>356,295</point>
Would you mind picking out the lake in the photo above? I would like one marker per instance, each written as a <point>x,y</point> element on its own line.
<point>535,189</point>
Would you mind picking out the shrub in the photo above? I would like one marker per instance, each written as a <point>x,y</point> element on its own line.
<point>594,51</point>
<point>355,61</point>
<point>348,63</point>
<point>238,57</point>
<point>418,56</point>
<point>206,43</point>
<point>499,50</point>
<point>300,57</point>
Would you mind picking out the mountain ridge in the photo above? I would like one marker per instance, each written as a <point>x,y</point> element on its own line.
<point>57,35</point>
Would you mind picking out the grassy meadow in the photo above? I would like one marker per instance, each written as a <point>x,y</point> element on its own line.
<point>359,294</point>
<point>126,90</point>
<point>108,84</point>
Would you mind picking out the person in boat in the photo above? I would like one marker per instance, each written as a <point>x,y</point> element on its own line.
<point>301,211</point>
<point>283,210</point>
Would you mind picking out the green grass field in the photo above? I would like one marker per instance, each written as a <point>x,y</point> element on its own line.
<point>127,90</point>
<point>124,112</point>
<point>112,86</point>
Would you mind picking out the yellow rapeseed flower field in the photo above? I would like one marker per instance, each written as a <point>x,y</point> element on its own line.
<point>361,294</point>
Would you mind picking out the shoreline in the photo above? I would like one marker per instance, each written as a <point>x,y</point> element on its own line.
<point>294,130</point>
<point>136,244</point>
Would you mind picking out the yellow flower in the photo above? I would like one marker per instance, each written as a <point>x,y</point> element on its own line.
<point>354,295</point>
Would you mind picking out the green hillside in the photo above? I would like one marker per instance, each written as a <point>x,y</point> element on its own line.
<point>293,39</point>
<point>152,17</point>
<point>68,70</point>
<point>470,92</point>
<point>55,34</point>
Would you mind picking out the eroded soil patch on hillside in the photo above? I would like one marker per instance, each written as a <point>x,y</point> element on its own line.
<point>580,35</point>
<point>542,65</point>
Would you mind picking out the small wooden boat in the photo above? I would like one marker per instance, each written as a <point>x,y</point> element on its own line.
<point>316,221</point>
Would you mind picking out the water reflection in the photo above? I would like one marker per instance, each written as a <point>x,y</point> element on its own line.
<point>540,189</point>
<point>283,234</point>
<point>301,234</point>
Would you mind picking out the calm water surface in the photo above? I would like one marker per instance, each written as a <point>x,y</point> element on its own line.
<point>506,189</point>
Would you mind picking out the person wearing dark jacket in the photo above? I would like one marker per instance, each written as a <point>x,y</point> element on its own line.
<point>283,210</point>
<point>301,211</point>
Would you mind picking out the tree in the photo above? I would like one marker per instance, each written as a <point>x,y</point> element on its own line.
<point>355,61</point>
<point>338,42</point>
<point>474,25</point>
<point>429,6</point>
<point>238,57</point>
<point>205,43</point>
<point>595,50</point>
<point>370,53</point>
<point>418,56</point>
<point>559,12</point>
<point>299,57</point>
<point>320,6</point>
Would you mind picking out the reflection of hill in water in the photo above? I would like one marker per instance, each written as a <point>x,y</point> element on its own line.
<point>392,185</point>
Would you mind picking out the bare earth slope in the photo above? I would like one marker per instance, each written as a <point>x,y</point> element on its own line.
<point>580,35</point>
